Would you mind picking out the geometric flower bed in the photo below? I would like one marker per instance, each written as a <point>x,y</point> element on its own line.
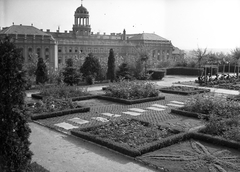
<point>183,90</point>
<point>128,136</point>
<point>197,152</point>
<point>131,92</point>
<point>50,107</point>
<point>61,91</point>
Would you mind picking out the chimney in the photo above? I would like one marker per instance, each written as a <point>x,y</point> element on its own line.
<point>124,35</point>
<point>48,30</point>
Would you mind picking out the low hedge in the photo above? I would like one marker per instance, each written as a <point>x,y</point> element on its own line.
<point>125,149</point>
<point>39,96</point>
<point>195,91</point>
<point>182,112</point>
<point>59,113</point>
<point>184,71</point>
<point>130,102</point>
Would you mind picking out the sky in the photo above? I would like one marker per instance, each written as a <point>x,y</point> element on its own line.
<point>189,24</point>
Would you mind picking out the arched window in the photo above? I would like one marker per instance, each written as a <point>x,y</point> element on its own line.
<point>39,52</point>
<point>47,54</point>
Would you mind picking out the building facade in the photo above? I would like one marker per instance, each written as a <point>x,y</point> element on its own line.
<point>59,46</point>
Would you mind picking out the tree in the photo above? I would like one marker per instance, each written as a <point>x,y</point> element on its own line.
<point>143,53</point>
<point>41,72</point>
<point>200,54</point>
<point>91,66</point>
<point>70,73</point>
<point>111,75</point>
<point>236,56</point>
<point>15,154</point>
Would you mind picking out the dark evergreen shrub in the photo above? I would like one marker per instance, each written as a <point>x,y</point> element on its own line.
<point>111,75</point>
<point>41,72</point>
<point>91,66</point>
<point>14,130</point>
<point>70,73</point>
<point>156,74</point>
<point>124,71</point>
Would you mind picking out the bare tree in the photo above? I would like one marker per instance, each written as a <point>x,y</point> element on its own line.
<point>201,55</point>
<point>236,57</point>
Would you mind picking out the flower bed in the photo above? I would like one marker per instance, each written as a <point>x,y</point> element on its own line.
<point>50,107</point>
<point>131,92</point>
<point>196,152</point>
<point>221,116</point>
<point>128,136</point>
<point>61,91</point>
<point>183,90</point>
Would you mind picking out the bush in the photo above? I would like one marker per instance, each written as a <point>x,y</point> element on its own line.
<point>111,66</point>
<point>15,154</point>
<point>156,74</point>
<point>70,73</point>
<point>132,90</point>
<point>91,66</point>
<point>63,91</point>
<point>41,72</point>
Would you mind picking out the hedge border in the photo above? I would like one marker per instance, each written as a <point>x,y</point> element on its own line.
<point>130,102</point>
<point>59,113</point>
<point>39,96</point>
<point>124,149</point>
<point>197,136</point>
<point>182,112</point>
<point>198,91</point>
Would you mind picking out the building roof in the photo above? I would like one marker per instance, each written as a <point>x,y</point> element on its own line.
<point>177,51</point>
<point>22,30</point>
<point>146,36</point>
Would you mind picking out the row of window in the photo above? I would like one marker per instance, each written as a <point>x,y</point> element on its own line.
<point>38,53</point>
<point>86,50</point>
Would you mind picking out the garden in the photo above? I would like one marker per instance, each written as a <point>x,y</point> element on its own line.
<point>134,125</point>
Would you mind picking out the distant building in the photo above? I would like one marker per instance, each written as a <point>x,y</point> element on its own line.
<point>33,41</point>
<point>177,53</point>
<point>59,46</point>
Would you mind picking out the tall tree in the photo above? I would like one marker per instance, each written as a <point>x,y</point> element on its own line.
<point>144,53</point>
<point>111,73</point>
<point>91,66</point>
<point>41,72</point>
<point>70,73</point>
<point>15,154</point>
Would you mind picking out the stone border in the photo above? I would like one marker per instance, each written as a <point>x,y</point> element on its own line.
<point>130,102</point>
<point>59,113</point>
<point>125,149</point>
<point>197,91</point>
<point>197,136</point>
<point>182,112</point>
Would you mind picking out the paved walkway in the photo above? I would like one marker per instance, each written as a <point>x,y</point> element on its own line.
<point>58,152</point>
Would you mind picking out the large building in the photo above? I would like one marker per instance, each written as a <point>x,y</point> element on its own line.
<point>59,46</point>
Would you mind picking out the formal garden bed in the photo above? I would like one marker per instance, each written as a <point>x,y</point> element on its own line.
<point>131,92</point>
<point>50,107</point>
<point>183,90</point>
<point>220,116</point>
<point>196,152</point>
<point>63,91</point>
<point>128,136</point>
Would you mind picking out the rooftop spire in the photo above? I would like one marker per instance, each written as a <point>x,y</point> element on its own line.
<point>81,2</point>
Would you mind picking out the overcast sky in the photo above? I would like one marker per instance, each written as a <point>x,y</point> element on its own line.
<point>187,23</point>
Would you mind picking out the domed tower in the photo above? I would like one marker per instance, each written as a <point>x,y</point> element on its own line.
<point>81,25</point>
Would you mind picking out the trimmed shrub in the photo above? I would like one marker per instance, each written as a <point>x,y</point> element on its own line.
<point>111,66</point>
<point>184,71</point>
<point>15,154</point>
<point>156,74</point>
<point>41,72</point>
<point>91,66</point>
<point>70,73</point>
